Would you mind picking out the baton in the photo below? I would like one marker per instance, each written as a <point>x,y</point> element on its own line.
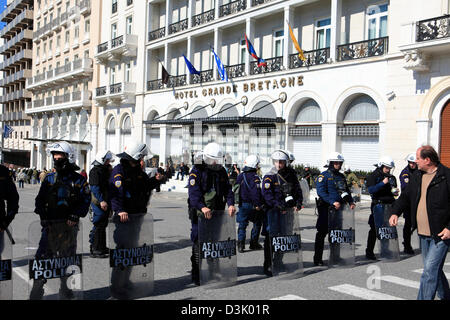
<point>10,236</point>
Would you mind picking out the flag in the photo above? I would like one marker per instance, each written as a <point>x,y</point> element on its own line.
<point>222,72</point>
<point>296,45</point>
<point>7,131</point>
<point>165,75</point>
<point>191,68</point>
<point>251,50</point>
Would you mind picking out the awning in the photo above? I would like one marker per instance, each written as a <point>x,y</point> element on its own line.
<point>57,140</point>
<point>218,120</point>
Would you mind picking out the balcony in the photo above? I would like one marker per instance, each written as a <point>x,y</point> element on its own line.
<point>362,49</point>
<point>116,94</point>
<point>67,101</point>
<point>20,22</point>
<point>235,71</point>
<point>16,77</point>
<point>13,9</point>
<point>259,2</point>
<point>203,18</point>
<point>155,85</point>
<point>177,81</point>
<point>157,34</point>
<point>273,65</point>
<point>16,59</point>
<point>178,26</point>
<point>75,70</point>
<point>16,95</point>
<point>17,41</point>
<point>314,57</point>
<point>116,49</point>
<point>204,76</point>
<point>232,7</point>
<point>85,7</point>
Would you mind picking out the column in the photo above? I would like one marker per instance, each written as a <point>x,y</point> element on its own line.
<point>190,12</point>
<point>169,9</point>
<point>217,49</point>
<point>329,139</point>
<point>250,31</point>
<point>189,56</point>
<point>336,14</point>
<point>217,5</point>
<point>163,144</point>
<point>288,17</point>
<point>167,59</point>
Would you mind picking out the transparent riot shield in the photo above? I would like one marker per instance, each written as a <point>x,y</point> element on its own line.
<point>387,235</point>
<point>6,284</point>
<point>285,244</point>
<point>341,236</point>
<point>55,260</point>
<point>356,193</point>
<point>305,192</point>
<point>131,256</point>
<point>217,241</point>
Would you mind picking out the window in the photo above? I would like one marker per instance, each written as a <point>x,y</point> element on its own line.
<point>114,31</point>
<point>87,26</point>
<point>114,6</point>
<point>86,53</point>
<point>278,43</point>
<point>129,25</point>
<point>377,19</point>
<point>323,33</point>
<point>242,51</point>
<point>128,72</point>
<point>112,79</point>
<point>67,37</point>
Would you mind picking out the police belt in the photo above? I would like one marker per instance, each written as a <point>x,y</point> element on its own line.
<point>375,202</point>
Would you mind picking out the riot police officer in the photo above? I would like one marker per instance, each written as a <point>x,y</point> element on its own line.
<point>209,189</point>
<point>405,175</point>
<point>63,195</point>
<point>8,193</point>
<point>130,190</point>
<point>333,192</point>
<point>382,187</point>
<point>281,191</point>
<point>100,204</point>
<point>250,203</point>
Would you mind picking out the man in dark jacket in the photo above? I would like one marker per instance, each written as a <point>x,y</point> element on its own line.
<point>8,193</point>
<point>427,197</point>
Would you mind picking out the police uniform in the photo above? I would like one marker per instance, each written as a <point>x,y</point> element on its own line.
<point>206,188</point>
<point>331,187</point>
<point>99,184</point>
<point>249,198</point>
<point>277,186</point>
<point>8,193</point>
<point>64,195</point>
<point>381,194</point>
<point>405,176</point>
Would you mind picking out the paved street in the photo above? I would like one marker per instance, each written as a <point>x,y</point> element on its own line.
<point>367,280</point>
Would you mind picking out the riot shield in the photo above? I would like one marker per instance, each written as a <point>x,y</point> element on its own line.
<point>285,244</point>
<point>217,241</point>
<point>341,236</point>
<point>305,191</point>
<point>131,256</point>
<point>387,235</point>
<point>55,260</point>
<point>6,284</point>
<point>356,193</point>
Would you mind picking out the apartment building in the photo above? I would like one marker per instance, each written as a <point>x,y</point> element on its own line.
<point>374,79</point>
<point>65,38</point>
<point>16,50</point>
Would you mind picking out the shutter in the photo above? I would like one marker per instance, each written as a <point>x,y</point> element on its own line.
<point>308,150</point>
<point>360,153</point>
<point>445,136</point>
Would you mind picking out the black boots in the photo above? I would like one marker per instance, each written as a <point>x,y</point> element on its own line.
<point>254,245</point>
<point>98,246</point>
<point>319,244</point>
<point>267,258</point>
<point>195,262</point>
<point>241,246</point>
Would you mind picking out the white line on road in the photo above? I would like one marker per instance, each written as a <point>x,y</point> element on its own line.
<point>447,274</point>
<point>289,297</point>
<point>362,292</point>
<point>401,281</point>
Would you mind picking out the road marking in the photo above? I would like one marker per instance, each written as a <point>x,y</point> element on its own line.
<point>401,281</point>
<point>362,292</point>
<point>289,297</point>
<point>447,274</point>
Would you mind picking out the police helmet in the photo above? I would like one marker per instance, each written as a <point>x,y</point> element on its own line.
<point>62,147</point>
<point>280,155</point>
<point>213,154</point>
<point>102,156</point>
<point>252,161</point>
<point>386,161</point>
<point>411,157</point>
<point>198,157</point>
<point>135,151</point>
<point>335,157</point>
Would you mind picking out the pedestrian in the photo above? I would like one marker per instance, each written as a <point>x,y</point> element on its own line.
<point>84,174</point>
<point>333,193</point>
<point>250,203</point>
<point>100,203</point>
<point>42,175</point>
<point>281,192</point>
<point>8,194</point>
<point>130,190</point>
<point>34,176</point>
<point>427,196</point>
<point>307,175</point>
<point>21,178</point>
<point>404,178</point>
<point>181,170</point>
<point>209,189</point>
<point>63,195</point>
<point>380,184</point>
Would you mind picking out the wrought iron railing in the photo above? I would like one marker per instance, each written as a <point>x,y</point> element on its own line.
<point>235,71</point>
<point>177,81</point>
<point>178,26</point>
<point>102,47</point>
<point>157,34</point>
<point>101,91</point>
<point>363,49</point>
<point>434,28</point>
<point>115,88</point>
<point>155,85</point>
<point>313,57</point>
<point>258,2</point>
<point>204,76</point>
<point>272,65</point>
<point>232,7</point>
<point>203,18</point>
<point>117,42</point>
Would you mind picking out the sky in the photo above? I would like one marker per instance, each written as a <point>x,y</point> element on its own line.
<point>2,7</point>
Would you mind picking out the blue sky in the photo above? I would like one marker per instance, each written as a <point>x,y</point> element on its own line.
<point>2,7</point>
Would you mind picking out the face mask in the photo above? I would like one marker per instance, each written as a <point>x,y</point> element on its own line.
<point>60,164</point>
<point>214,167</point>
